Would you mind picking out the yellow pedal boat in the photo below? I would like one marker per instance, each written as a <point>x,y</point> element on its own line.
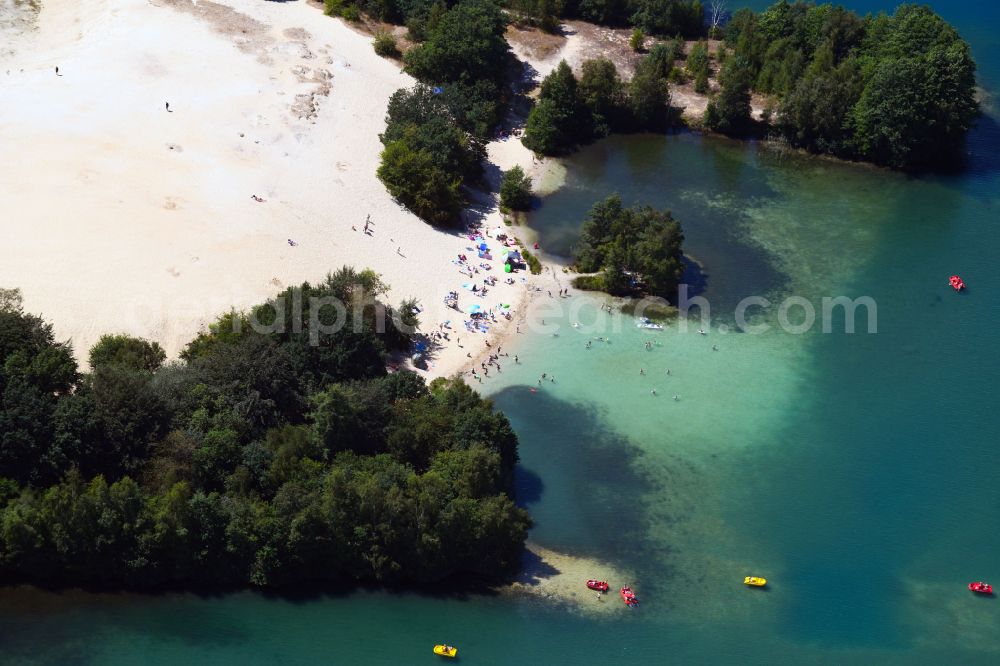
<point>755,581</point>
<point>446,651</point>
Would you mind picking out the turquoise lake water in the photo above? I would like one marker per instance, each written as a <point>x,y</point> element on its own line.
<point>857,472</point>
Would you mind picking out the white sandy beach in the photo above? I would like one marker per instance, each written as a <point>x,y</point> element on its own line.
<point>559,578</point>
<point>119,216</point>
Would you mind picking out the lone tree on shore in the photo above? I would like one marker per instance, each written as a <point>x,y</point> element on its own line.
<point>515,189</point>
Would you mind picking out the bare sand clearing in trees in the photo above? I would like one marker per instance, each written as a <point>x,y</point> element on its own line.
<point>119,216</point>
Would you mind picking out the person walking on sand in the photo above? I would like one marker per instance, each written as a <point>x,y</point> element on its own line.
<point>57,71</point>
<point>168,107</point>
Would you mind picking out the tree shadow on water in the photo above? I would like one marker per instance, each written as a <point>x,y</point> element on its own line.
<point>583,482</point>
<point>528,486</point>
<point>983,146</point>
<point>695,276</point>
<point>534,569</point>
<point>59,627</point>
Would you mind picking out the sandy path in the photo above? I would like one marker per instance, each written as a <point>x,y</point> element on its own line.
<point>122,217</point>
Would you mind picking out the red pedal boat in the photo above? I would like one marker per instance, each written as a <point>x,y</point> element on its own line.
<point>628,596</point>
<point>980,587</point>
<point>599,585</point>
<point>956,283</point>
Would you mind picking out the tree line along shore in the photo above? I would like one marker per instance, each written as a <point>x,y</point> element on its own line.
<point>274,459</point>
<point>896,90</point>
<point>259,459</point>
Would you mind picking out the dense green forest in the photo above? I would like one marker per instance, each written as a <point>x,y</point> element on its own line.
<point>896,90</point>
<point>662,18</point>
<point>655,17</point>
<point>632,251</point>
<point>270,458</point>
<point>573,111</point>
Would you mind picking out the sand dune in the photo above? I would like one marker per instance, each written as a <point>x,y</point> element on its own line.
<point>120,216</point>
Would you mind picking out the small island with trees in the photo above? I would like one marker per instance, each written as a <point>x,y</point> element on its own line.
<point>630,251</point>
